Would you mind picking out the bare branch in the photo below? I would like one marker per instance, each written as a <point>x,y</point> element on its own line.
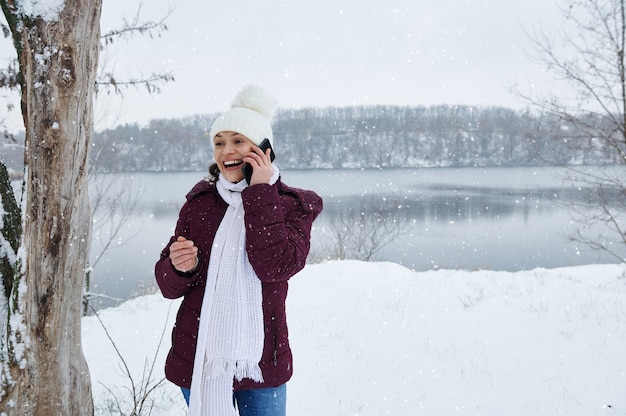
<point>9,76</point>
<point>361,233</point>
<point>589,60</point>
<point>141,391</point>
<point>135,26</point>
<point>112,83</point>
<point>152,83</point>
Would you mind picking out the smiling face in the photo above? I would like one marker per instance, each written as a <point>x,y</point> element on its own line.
<point>230,148</point>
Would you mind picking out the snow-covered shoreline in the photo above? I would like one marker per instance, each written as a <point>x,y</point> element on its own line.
<point>378,338</point>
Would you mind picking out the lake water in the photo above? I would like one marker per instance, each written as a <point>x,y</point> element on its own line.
<point>466,218</point>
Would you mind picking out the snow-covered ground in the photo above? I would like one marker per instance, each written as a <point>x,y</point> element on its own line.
<point>379,339</point>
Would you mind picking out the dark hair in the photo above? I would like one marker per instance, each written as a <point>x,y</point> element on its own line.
<point>214,173</point>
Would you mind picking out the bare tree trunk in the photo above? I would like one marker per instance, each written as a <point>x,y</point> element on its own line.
<point>58,62</point>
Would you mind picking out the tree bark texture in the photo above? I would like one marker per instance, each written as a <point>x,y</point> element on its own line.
<point>58,62</point>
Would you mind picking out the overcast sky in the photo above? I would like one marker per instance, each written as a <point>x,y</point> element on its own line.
<point>326,52</point>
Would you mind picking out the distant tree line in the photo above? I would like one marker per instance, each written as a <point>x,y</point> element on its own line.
<point>362,137</point>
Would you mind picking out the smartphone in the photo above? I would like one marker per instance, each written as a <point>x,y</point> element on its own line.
<point>247,169</point>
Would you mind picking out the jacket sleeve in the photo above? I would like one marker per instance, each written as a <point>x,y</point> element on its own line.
<point>172,283</point>
<point>278,229</point>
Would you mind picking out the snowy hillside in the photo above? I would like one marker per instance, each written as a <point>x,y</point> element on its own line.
<point>379,339</point>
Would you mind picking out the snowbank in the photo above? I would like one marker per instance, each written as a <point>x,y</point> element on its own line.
<point>377,338</point>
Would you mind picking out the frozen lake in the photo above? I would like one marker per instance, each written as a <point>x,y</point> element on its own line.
<point>452,218</point>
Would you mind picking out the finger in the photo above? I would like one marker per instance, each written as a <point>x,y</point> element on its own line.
<point>182,256</point>
<point>182,242</point>
<point>267,155</point>
<point>179,251</point>
<point>182,239</point>
<point>184,261</point>
<point>185,266</point>
<point>257,157</point>
<point>256,153</point>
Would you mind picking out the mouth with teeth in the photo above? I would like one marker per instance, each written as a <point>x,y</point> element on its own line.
<point>230,164</point>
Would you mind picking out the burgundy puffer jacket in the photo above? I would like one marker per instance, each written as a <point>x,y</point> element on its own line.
<point>278,222</point>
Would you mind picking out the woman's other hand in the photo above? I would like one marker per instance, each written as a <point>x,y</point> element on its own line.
<point>184,255</point>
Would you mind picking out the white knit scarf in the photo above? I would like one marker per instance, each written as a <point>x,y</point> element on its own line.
<point>230,335</point>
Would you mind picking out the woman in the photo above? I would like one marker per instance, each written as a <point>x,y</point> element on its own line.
<point>235,247</point>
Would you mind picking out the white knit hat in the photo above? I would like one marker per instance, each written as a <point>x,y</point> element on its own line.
<point>250,114</point>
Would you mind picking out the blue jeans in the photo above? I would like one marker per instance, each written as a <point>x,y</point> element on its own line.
<point>271,401</point>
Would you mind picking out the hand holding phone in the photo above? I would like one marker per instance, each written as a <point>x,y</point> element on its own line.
<point>247,168</point>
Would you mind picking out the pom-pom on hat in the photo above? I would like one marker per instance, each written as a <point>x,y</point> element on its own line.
<point>250,114</point>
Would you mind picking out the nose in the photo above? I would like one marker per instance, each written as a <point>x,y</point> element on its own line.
<point>229,148</point>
